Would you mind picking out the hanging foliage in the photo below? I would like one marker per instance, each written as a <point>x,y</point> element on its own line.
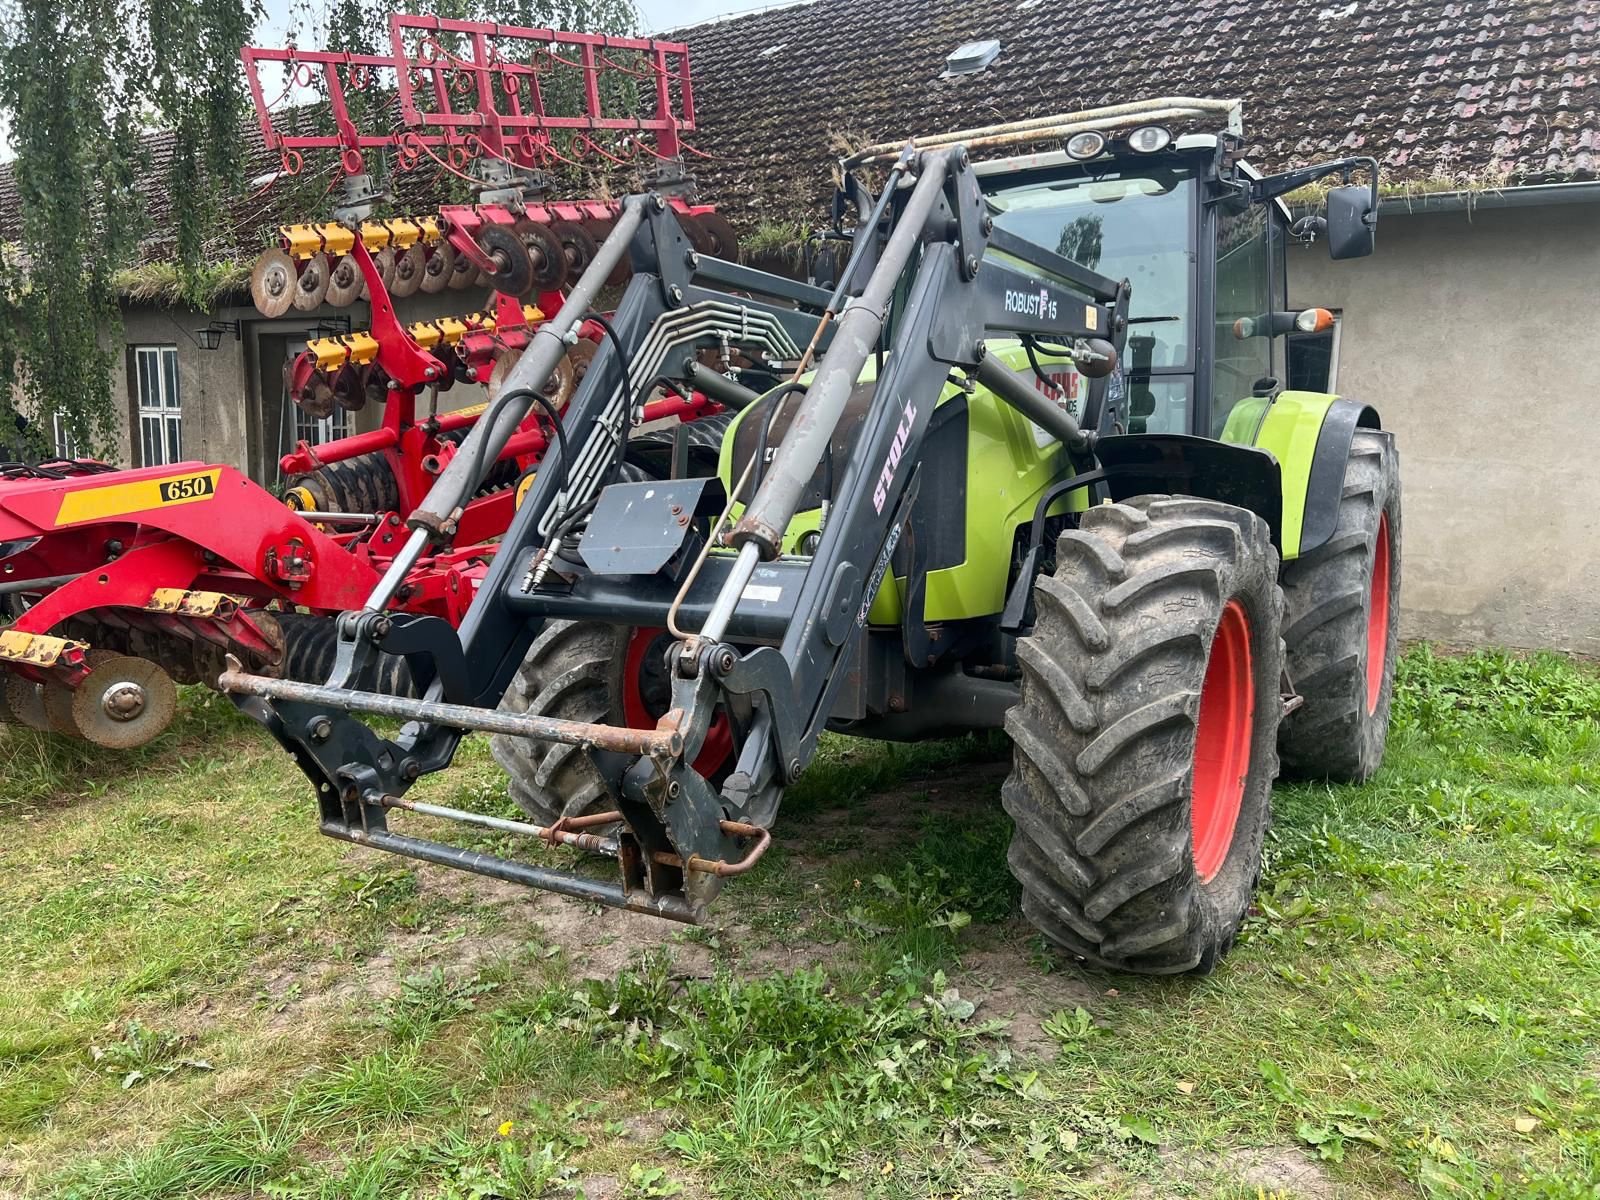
<point>125,122</point>
<point>82,84</point>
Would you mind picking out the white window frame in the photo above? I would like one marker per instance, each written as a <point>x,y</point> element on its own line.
<point>62,443</point>
<point>318,431</point>
<point>160,407</point>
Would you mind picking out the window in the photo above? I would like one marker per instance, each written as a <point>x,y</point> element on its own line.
<point>1242,291</point>
<point>160,410</point>
<point>63,443</point>
<point>315,431</point>
<point>1130,225</point>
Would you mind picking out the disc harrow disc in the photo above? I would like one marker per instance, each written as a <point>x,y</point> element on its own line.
<point>273,283</point>
<point>315,396</point>
<point>546,252</point>
<point>344,282</point>
<point>57,700</point>
<point>408,272</point>
<point>462,271</point>
<point>437,270</point>
<point>699,236</point>
<point>123,702</point>
<point>515,264</point>
<point>600,229</point>
<point>25,700</point>
<point>581,355</point>
<point>503,366</point>
<point>724,239</point>
<point>376,385</point>
<point>561,384</point>
<point>577,244</point>
<point>311,288</point>
<point>384,260</point>
<point>350,387</point>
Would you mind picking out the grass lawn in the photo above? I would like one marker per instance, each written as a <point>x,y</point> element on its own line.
<point>199,996</point>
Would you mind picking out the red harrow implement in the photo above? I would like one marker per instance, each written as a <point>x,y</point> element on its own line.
<point>122,583</point>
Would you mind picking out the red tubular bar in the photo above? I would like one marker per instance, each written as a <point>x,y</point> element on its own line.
<point>509,120</point>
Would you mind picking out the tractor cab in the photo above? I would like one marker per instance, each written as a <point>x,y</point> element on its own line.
<point>1202,237</point>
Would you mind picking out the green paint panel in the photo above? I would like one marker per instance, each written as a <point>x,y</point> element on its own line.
<point>1288,426</point>
<point>1010,462</point>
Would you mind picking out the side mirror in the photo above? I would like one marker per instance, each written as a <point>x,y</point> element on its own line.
<point>1352,222</point>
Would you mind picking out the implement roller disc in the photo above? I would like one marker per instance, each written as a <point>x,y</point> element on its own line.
<point>123,702</point>
<point>315,397</point>
<point>384,260</point>
<point>273,283</point>
<point>311,288</point>
<point>344,284</point>
<point>517,268</point>
<point>546,252</point>
<point>25,702</point>
<point>57,700</point>
<point>408,272</point>
<point>437,270</point>
<point>503,366</point>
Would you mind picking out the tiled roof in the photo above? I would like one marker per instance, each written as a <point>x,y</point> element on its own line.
<point>1474,91</point>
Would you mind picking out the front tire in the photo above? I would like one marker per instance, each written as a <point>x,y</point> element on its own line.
<point>1145,738</point>
<point>1341,631</point>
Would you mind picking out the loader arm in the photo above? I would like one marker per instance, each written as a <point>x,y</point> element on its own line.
<point>765,637</point>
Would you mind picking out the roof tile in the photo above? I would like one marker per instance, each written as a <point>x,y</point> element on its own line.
<point>1431,88</point>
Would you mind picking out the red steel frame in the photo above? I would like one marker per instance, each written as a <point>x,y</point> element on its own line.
<point>241,541</point>
<point>509,122</point>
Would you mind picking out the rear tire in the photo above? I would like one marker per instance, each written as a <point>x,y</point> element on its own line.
<point>1341,631</point>
<point>1133,850</point>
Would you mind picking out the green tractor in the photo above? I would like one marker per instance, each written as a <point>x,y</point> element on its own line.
<point>1033,469</point>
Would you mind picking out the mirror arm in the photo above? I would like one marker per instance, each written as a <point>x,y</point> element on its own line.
<point>1273,186</point>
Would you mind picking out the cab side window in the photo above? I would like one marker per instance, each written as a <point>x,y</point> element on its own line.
<point>1243,281</point>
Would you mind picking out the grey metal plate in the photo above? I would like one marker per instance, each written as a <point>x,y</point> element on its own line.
<point>636,528</point>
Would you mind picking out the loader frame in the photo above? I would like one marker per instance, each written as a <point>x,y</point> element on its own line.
<point>921,286</point>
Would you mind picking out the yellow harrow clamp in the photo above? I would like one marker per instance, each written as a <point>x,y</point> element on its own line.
<point>302,241</point>
<point>183,603</point>
<point>40,649</point>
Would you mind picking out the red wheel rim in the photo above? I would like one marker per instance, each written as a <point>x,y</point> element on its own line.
<point>718,745</point>
<point>1222,742</point>
<point>1378,616</point>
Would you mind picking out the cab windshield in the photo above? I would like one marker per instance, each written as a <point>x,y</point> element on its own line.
<point>1125,224</point>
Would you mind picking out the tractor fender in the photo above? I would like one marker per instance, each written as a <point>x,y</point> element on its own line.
<point>1180,464</point>
<point>1309,433</point>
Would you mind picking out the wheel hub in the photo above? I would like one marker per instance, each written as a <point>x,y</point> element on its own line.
<point>123,701</point>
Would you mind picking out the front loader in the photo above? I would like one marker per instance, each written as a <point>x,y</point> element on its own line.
<point>1001,474</point>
